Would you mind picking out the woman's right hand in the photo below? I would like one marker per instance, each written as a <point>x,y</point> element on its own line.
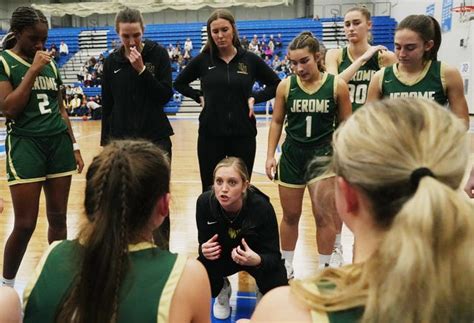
<point>270,167</point>
<point>41,59</point>
<point>211,249</point>
<point>371,52</point>
<point>201,98</point>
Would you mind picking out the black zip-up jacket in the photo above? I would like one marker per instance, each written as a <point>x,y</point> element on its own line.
<point>132,104</point>
<point>256,222</point>
<point>226,89</point>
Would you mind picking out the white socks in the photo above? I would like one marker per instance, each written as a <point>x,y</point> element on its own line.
<point>324,261</point>
<point>8,282</point>
<point>337,243</point>
<point>288,255</point>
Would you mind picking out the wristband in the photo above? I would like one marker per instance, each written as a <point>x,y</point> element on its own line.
<point>143,70</point>
<point>75,146</point>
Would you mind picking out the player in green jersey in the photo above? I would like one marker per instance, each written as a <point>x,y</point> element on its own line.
<point>418,73</point>
<point>313,102</point>
<point>39,144</point>
<point>399,166</point>
<point>113,271</point>
<point>357,62</point>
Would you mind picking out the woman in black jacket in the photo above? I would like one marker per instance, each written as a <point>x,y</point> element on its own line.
<point>135,87</point>
<point>227,72</point>
<point>237,231</point>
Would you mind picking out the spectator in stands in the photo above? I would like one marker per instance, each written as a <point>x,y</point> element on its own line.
<point>170,50</point>
<point>227,72</point>
<point>188,45</point>
<point>135,88</point>
<point>276,63</point>
<point>263,40</point>
<point>63,49</point>
<point>74,105</point>
<point>94,107</point>
<point>253,46</point>
<point>114,272</point>
<point>244,42</point>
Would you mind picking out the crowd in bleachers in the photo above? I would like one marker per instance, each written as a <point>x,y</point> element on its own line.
<point>78,104</point>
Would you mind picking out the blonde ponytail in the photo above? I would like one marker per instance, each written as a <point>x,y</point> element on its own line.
<point>423,269</point>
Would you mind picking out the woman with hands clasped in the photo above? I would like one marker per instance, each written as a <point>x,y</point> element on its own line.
<point>237,231</point>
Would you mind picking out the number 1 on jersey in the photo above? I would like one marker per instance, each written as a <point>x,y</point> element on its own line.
<point>308,126</point>
<point>43,102</point>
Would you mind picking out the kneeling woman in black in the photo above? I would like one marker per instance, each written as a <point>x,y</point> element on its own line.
<point>237,231</point>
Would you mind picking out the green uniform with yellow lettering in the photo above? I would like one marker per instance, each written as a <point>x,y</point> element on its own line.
<point>430,85</point>
<point>359,83</point>
<point>310,122</point>
<point>145,294</point>
<point>38,145</point>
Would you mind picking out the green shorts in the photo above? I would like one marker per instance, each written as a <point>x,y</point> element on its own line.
<point>300,166</point>
<point>35,159</point>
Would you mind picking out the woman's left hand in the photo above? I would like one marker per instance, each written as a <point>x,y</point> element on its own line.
<point>245,256</point>
<point>79,161</point>
<point>251,103</point>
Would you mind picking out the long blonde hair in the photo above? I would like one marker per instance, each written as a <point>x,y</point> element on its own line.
<point>423,269</point>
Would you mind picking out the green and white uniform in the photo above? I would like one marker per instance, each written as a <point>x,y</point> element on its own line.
<point>430,85</point>
<point>38,145</point>
<point>145,294</point>
<point>310,122</point>
<point>359,83</point>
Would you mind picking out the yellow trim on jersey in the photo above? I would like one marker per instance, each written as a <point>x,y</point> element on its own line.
<point>308,91</point>
<point>5,66</point>
<point>339,57</point>
<point>168,291</point>
<point>442,72</point>
<point>10,161</point>
<point>279,182</point>
<point>26,181</point>
<point>71,172</point>
<point>418,79</point>
<point>325,175</point>
<point>141,246</point>
<point>55,70</point>
<point>288,85</point>
<point>381,78</point>
<point>336,81</point>
<point>18,58</point>
<point>36,274</point>
<point>319,317</point>
<point>352,59</point>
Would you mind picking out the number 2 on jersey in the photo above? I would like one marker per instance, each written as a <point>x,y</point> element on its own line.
<point>43,102</point>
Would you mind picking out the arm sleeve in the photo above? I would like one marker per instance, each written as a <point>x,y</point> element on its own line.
<point>265,75</point>
<point>107,104</point>
<point>159,85</point>
<point>270,252</point>
<point>188,75</point>
<point>202,209</point>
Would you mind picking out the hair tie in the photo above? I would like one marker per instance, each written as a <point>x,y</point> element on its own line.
<point>418,174</point>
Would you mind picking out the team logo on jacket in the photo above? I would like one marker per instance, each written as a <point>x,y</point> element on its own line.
<point>150,68</point>
<point>233,233</point>
<point>242,68</point>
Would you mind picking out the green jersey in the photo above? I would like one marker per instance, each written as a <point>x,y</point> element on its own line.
<point>145,294</point>
<point>430,85</point>
<point>41,116</point>
<point>311,116</point>
<point>359,83</point>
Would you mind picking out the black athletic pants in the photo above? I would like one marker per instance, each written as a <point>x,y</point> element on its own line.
<point>211,150</point>
<point>162,234</point>
<point>223,267</point>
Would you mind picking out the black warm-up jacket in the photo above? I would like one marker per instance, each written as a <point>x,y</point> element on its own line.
<point>132,104</point>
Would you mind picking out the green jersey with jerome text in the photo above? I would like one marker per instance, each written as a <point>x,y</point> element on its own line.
<point>41,115</point>
<point>311,116</point>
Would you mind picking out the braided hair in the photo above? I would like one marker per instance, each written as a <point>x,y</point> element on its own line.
<point>22,18</point>
<point>123,185</point>
<point>306,39</point>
